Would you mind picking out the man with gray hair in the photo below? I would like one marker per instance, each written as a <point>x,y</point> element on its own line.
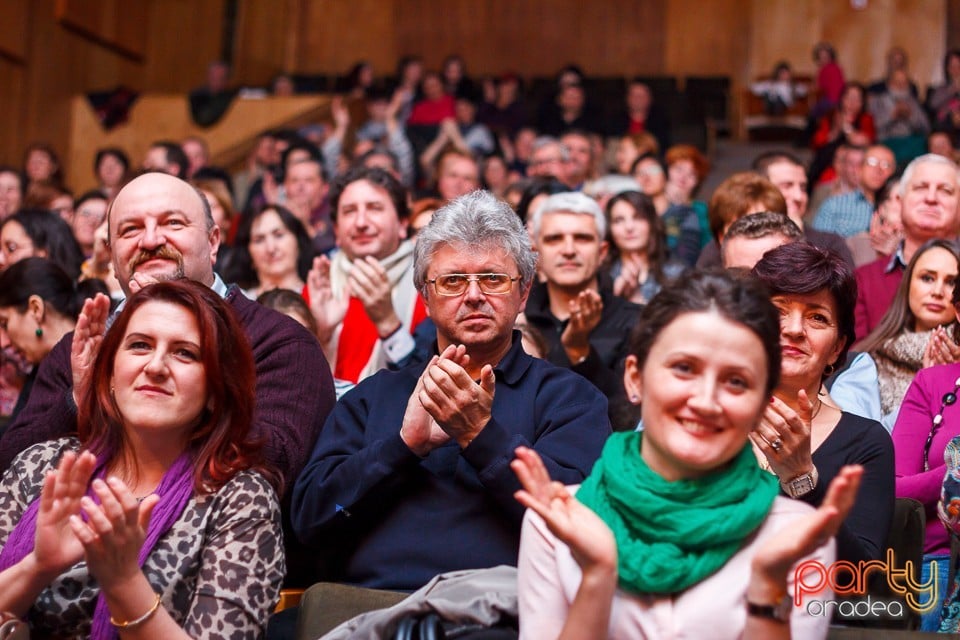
<point>548,159</point>
<point>411,474</point>
<point>929,192</point>
<point>585,326</point>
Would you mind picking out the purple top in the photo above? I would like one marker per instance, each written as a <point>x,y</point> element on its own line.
<point>914,422</point>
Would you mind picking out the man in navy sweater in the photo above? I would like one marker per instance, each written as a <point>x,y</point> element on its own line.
<point>161,228</point>
<point>411,476</point>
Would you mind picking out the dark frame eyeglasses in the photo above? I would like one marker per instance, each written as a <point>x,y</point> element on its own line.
<point>456,284</point>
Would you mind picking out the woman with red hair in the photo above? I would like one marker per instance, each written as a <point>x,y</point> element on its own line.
<point>156,521</point>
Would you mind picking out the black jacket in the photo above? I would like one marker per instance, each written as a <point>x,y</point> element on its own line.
<point>608,346</point>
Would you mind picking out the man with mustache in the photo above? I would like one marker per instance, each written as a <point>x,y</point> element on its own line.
<point>410,476</point>
<point>586,326</point>
<point>161,228</point>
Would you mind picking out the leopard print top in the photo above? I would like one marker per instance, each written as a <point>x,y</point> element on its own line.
<point>218,569</point>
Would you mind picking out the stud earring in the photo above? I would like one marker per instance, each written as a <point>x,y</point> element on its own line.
<point>39,332</point>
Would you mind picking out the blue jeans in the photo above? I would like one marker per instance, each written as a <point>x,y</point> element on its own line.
<point>930,621</point>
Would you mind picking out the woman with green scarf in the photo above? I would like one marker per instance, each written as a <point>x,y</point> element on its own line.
<point>678,531</point>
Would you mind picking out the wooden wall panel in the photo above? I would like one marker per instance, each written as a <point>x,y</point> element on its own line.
<point>180,38</point>
<point>534,37</point>
<point>707,38</point>
<point>13,30</point>
<point>785,29</point>
<point>266,40</point>
<point>116,24</point>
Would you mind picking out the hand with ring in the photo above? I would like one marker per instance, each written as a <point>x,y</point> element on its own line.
<point>783,437</point>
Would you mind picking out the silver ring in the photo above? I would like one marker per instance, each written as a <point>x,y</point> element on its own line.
<point>777,444</point>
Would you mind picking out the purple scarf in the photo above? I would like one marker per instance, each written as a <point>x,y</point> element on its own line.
<point>175,490</point>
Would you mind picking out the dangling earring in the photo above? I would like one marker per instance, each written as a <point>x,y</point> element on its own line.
<point>39,332</point>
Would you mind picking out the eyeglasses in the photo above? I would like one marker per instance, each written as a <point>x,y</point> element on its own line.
<point>456,284</point>
<point>877,162</point>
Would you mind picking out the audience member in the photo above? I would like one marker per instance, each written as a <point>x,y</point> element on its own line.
<point>161,229</point>
<point>641,114</point>
<point>39,304</point>
<point>363,298</point>
<point>166,157</point>
<point>587,561</point>
<point>584,324</point>
<point>32,232</point>
<point>632,146</point>
<point>927,422</point>
<point>272,251</point>
<point>89,212</point>
<point>507,113</point>
<point>848,123</point>
<point>157,507</point>
<point>885,232</point>
<point>896,61</point>
<point>637,253</point>
<point>943,102</point>
<point>305,189</point>
<point>919,329</point>
<point>843,176</point>
<point>900,120</point>
<point>197,152</point>
<point>580,157</point>
<point>41,164</point>
<point>801,439</point>
<point>548,159</point>
<point>680,222</point>
<point>849,214</point>
<point>11,191</point>
<point>434,106</point>
<point>411,476</point>
<point>111,167</point>
<point>787,174</point>
<point>747,192</point>
<point>687,168</point>
<point>753,235</point>
<point>928,192</point>
<point>830,81</point>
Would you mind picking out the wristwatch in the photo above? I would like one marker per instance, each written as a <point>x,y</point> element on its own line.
<point>779,612</point>
<point>802,484</point>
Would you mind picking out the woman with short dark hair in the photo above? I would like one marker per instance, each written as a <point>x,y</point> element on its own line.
<point>802,438</point>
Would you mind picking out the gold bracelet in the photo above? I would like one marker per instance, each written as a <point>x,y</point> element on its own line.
<point>130,624</point>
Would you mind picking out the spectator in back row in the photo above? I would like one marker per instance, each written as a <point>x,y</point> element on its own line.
<point>849,214</point>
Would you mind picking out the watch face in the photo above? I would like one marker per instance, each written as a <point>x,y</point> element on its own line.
<point>801,485</point>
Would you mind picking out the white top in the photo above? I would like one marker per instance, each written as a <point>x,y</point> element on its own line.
<point>714,608</point>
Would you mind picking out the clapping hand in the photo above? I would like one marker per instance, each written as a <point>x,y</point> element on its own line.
<point>114,531</point>
<point>327,309</point>
<point>56,547</point>
<point>590,540</point>
<point>777,555</point>
<point>940,349</point>
<point>87,336</point>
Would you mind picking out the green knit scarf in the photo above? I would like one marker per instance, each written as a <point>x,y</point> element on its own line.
<point>671,535</point>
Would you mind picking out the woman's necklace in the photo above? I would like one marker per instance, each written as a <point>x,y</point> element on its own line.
<point>948,398</point>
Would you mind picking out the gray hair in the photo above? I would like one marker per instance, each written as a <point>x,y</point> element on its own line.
<point>930,158</point>
<point>473,221</point>
<point>545,141</point>
<point>570,202</point>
